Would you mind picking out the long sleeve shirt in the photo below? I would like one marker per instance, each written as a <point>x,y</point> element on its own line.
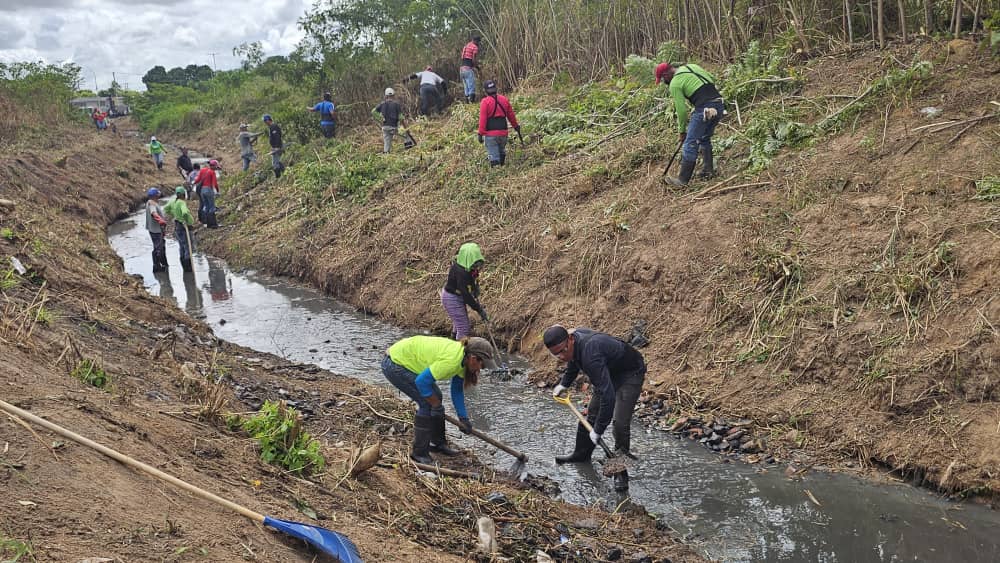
<point>494,114</point>
<point>206,177</point>
<point>607,361</point>
<point>693,84</point>
<point>178,210</point>
<point>461,282</point>
<point>434,359</point>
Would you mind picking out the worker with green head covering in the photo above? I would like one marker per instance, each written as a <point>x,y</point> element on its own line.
<point>462,289</point>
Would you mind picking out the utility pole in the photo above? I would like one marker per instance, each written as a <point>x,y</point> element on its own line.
<point>214,67</point>
<point>114,80</point>
<point>95,84</point>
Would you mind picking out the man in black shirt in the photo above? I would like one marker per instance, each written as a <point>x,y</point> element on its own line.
<point>277,147</point>
<point>392,117</point>
<point>184,165</point>
<point>616,371</point>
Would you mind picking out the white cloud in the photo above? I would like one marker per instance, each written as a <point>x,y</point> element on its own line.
<point>128,37</point>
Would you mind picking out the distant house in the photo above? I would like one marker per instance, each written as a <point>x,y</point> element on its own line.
<point>113,105</point>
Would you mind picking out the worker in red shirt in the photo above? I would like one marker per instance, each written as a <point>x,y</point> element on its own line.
<point>495,116</point>
<point>207,184</point>
<point>469,66</point>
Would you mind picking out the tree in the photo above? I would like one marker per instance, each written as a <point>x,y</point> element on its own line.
<point>251,53</point>
<point>155,75</point>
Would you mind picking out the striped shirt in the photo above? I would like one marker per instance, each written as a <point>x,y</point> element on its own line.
<point>469,53</point>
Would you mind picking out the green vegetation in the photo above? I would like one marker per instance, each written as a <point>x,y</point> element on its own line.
<point>278,430</point>
<point>13,550</point>
<point>9,280</point>
<point>7,233</point>
<point>35,96</point>
<point>91,372</point>
<point>988,189</point>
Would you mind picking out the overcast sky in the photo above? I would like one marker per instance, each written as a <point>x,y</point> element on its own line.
<point>129,37</point>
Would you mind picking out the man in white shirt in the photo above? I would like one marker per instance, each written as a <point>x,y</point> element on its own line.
<point>432,90</point>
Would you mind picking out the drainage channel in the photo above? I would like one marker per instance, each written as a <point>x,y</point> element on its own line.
<point>730,511</point>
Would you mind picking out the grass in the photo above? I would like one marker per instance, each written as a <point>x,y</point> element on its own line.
<point>90,372</point>
<point>14,550</point>
<point>9,280</point>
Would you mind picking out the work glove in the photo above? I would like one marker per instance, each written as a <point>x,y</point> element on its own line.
<point>518,129</point>
<point>595,437</point>
<point>558,390</point>
<point>480,139</point>
<point>465,425</point>
<point>683,136</point>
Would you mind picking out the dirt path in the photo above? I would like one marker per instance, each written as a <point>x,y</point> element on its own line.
<point>170,379</point>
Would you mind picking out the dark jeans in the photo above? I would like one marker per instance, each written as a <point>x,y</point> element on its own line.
<point>429,94</point>
<point>699,131</point>
<point>159,250</point>
<point>329,130</point>
<point>181,233</point>
<point>406,381</point>
<point>207,200</point>
<point>626,395</point>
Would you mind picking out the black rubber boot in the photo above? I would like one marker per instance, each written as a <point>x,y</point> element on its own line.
<point>583,450</point>
<point>423,426</point>
<point>687,169</point>
<point>503,158</point>
<point>211,221</point>
<point>439,440</point>
<point>707,164</point>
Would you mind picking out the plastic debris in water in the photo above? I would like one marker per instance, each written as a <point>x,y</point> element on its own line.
<point>18,266</point>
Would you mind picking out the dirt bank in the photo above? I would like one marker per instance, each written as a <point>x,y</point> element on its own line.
<point>73,304</point>
<point>845,299</point>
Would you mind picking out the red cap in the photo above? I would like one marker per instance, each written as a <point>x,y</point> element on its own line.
<point>664,72</point>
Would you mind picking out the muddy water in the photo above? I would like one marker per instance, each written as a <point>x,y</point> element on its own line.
<point>732,511</point>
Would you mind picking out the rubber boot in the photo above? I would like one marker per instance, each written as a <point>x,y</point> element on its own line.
<point>707,164</point>
<point>211,221</point>
<point>439,440</point>
<point>503,158</point>
<point>687,169</point>
<point>423,426</point>
<point>583,450</point>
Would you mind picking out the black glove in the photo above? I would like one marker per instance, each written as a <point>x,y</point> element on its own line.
<point>518,129</point>
<point>465,425</point>
<point>480,139</point>
<point>482,315</point>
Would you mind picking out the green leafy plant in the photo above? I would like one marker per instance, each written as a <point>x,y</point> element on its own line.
<point>9,280</point>
<point>91,373</point>
<point>988,189</point>
<point>278,430</point>
<point>7,233</point>
<point>12,550</point>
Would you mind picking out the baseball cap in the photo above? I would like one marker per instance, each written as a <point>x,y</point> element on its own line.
<point>152,192</point>
<point>179,190</point>
<point>267,117</point>
<point>483,349</point>
<point>213,162</point>
<point>555,334</point>
<point>490,86</point>
<point>390,92</point>
<point>153,138</point>
<point>664,72</point>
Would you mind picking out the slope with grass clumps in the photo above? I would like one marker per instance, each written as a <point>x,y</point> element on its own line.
<point>836,284</point>
<point>86,347</point>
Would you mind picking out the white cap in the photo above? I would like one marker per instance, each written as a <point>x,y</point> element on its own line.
<point>390,92</point>
<point>153,138</point>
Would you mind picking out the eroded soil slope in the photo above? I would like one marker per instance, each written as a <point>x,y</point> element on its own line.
<point>170,380</point>
<point>845,299</point>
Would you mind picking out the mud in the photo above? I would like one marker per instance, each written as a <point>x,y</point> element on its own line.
<point>731,510</point>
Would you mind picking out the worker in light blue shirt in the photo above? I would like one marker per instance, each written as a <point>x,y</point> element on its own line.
<point>327,116</point>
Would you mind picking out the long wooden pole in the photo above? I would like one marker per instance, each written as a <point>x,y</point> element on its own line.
<point>519,455</point>
<point>20,413</point>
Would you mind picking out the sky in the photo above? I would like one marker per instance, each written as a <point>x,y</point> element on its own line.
<point>128,37</point>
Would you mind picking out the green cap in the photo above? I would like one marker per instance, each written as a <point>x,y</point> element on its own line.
<point>179,190</point>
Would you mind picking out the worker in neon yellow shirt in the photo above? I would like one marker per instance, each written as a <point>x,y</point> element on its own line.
<point>416,364</point>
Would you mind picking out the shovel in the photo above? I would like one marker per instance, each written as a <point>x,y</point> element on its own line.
<point>615,466</point>
<point>674,157</point>
<point>332,543</point>
<point>503,367</point>
<point>518,467</point>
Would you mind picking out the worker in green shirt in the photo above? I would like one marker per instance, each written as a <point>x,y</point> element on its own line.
<point>156,150</point>
<point>416,364</point>
<point>691,84</point>
<point>183,222</point>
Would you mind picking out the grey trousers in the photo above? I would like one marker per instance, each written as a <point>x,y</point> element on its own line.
<point>388,132</point>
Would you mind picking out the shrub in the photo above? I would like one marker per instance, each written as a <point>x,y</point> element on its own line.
<point>278,430</point>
